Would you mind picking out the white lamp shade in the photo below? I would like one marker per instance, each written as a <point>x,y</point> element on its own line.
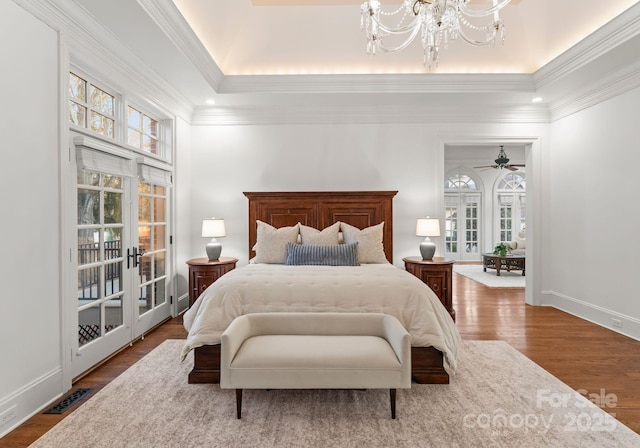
<point>428,227</point>
<point>213,228</point>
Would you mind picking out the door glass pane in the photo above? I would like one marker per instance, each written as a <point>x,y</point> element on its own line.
<point>113,243</point>
<point>90,178</point>
<point>144,209</point>
<point>158,209</point>
<point>88,206</point>
<point>112,282</point>
<point>88,325</point>
<point>159,264</point>
<point>112,208</point>
<point>88,284</point>
<point>146,298</point>
<point>144,239</point>
<point>159,237</point>
<point>451,229</point>
<point>160,292</point>
<point>88,246</point>
<point>113,314</point>
<point>144,269</point>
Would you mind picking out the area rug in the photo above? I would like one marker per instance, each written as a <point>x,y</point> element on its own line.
<point>505,280</point>
<point>498,398</point>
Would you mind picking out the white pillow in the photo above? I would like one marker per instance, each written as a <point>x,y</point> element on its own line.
<point>271,243</point>
<point>325,237</point>
<point>521,243</point>
<point>370,248</point>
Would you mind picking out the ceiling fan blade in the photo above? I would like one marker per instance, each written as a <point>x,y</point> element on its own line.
<point>511,167</point>
<point>486,166</point>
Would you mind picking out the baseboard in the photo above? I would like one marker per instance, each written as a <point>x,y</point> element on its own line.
<point>30,399</point>
<point>614,321</point>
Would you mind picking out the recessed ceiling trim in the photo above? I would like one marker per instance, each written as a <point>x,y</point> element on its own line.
<point>260,115</point>
<point>443,83</point>
<point>616,32</point>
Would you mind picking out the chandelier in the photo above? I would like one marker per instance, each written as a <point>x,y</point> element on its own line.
<point>437,21</point>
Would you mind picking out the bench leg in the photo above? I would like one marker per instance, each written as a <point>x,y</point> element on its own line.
<point>239,403</point>
<point>392,395</point>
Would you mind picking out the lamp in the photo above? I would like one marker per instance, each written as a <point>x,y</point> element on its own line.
<point>437,21</point>
<point>213,228</point>
<point>427,227</point>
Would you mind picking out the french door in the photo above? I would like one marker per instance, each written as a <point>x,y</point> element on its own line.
<point>122,253</point>
<point>462,226</point>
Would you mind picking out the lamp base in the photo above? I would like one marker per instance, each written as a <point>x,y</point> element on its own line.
<point>427,250</point>
<point>213,250</point>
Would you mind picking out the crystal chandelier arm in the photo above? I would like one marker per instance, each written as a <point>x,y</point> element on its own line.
<point>478,43</point>
<point>397,30</point>
<point>403,45</point>
<point>471,12</point>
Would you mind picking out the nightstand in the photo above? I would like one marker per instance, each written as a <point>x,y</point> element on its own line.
<point>203,273</point>
<point>437,274</point>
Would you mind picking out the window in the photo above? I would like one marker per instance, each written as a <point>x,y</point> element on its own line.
<point>91,107</point>
<point>511,191</point>
<point>460,182</point>
<point>462,217</point>
<point>142,131</point>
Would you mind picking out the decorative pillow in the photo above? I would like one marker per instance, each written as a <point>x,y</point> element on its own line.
<point>334,255</point>
<point>271,244</point>
<point>521,243</point>
<point>370,248</point>
<point>325,237</point>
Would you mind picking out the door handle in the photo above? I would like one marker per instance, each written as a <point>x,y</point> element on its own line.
<point>135,256</point>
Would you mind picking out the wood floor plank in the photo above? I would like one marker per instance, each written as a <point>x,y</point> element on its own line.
<point>583,355</point>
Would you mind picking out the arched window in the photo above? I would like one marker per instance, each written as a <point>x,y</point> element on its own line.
<point>462,217</point>
<point>459,182</point>
<point>511,191</point>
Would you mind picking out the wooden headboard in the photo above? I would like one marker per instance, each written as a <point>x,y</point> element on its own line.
<point>320,209</point>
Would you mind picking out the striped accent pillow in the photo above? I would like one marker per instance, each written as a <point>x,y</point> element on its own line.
<point>335,255</point>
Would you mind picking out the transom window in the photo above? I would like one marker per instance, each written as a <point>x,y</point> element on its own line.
<point>460,182</point>
<point>91,107</point>
<point>143,131</point>
<point>110,114</point>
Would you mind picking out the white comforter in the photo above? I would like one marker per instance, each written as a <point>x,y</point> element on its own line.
<point>381,288</point>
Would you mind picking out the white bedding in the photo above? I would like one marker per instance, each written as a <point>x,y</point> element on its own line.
<point>381,288</point>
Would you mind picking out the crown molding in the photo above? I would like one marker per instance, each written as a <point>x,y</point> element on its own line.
<point>169,19</point>
<point>264,115</point>
<point>379,83</point>
<point>100,50</point>
<point>605,89</point>
<point>614,33</point>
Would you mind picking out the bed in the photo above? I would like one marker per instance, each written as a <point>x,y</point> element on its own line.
<point>375,285</point>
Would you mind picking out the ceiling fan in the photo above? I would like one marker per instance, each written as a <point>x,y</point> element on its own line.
<point>502,162</point>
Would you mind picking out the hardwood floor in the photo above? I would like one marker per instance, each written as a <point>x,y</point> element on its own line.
<point>583,355</point>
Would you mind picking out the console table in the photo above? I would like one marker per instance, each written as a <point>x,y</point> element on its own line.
<point>508,263</point>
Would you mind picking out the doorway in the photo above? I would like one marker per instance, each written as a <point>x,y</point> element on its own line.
<point>122,254</point>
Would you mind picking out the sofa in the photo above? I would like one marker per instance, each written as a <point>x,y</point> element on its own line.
<point>519,245</point>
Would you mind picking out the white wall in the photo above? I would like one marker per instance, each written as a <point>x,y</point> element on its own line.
<point>228,160</point>
<point>182,229</point>
<point>591,266</point>
<point>30,347</point>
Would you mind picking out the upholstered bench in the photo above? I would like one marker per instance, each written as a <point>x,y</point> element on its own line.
<point>315,351</point>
